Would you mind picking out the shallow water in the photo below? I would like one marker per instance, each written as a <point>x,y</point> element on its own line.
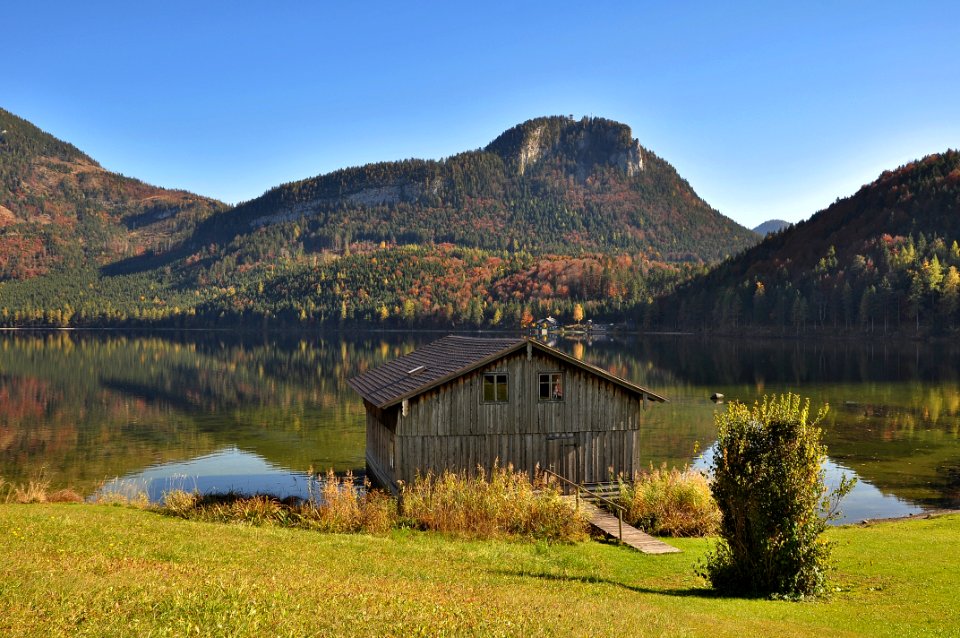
<point>219,411</point>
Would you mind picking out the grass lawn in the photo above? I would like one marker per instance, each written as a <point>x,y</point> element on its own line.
<point>85,570</point>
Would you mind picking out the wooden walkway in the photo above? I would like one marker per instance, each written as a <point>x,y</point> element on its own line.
<point>604,520</point>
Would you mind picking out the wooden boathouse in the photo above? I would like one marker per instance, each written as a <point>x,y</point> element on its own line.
<point>463,402</point>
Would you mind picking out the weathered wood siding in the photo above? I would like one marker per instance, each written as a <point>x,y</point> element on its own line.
<point>381,440</point>
<point>590,436</point>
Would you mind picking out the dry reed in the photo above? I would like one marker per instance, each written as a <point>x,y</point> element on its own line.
<point>503,503</point>
<point>36,490</point>
<point>499,504</point>
<point>122,492</point>
<point>670,502</point>
<point>64,496</point>
<point>337,504</point>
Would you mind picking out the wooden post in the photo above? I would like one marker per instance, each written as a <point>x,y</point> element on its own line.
<point>620,523</point>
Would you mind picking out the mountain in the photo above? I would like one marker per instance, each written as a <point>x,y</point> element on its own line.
<point>553,214</point>
<point>60,209</point>
<point>884,259</point>
<point>549,185</point>
<point>770,226</point>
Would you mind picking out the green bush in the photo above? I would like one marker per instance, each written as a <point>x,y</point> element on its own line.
<point>768,483</point>
<point>670,502</point>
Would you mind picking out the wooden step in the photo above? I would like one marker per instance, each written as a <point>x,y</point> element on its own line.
<point>609,524</point>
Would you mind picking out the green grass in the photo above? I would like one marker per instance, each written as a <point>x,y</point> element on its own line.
<point>89,570</point>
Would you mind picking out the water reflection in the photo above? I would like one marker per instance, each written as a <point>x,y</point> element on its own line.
<point>226,471</point>
<point>92,406</point>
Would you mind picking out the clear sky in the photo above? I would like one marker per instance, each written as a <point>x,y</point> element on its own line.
<point>769,109</point>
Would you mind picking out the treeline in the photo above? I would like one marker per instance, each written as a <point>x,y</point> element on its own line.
<point>371,286</point>
<point>897,284</point>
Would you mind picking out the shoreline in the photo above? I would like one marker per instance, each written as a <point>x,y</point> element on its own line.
<point>935,513</point>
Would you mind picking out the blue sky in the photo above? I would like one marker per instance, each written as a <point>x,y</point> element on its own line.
<point>768,109</point>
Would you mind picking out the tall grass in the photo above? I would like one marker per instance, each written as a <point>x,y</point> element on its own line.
<point>36,490</point>
<point>503,503</point>
<point>125,492</point>
<point>670,502</point>
<point>498,504</point>
<point>336,504</point>
<point>343,508</point>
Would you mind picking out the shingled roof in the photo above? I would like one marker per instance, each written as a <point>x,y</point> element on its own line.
<point>450,357</point>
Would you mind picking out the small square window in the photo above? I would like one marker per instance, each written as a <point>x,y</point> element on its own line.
<point>495,387</point>
<point>551,386</point>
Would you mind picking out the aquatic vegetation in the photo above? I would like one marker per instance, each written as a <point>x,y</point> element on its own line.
<point>337,505</point>
<point>670,502</point>
<point>503,503</point>
<point>36,490</point>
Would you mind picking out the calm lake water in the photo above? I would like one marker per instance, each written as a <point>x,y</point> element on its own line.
<point>253,412</point>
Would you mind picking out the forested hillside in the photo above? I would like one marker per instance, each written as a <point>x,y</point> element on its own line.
<point>415,285</point>
<point>883,260</point>
<point>60,210</point>
<point>550,185</point>
<point>553,214</point>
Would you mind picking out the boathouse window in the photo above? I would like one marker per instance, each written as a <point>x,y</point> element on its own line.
<point>495,388</point>
<point>551,386</point>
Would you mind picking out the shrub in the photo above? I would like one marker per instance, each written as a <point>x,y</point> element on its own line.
<point>768,483</point>
<point>255,510</point>
<point>670,502</point>
<point>34,491</point>
<point>504,504</point>
<point>231,507</point>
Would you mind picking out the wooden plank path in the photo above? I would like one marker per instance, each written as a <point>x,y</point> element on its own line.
<point>604,520</point>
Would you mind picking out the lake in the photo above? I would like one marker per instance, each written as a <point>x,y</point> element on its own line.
<point>219,411</point>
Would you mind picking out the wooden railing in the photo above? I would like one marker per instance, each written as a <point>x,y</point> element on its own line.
<point>578,488</point>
